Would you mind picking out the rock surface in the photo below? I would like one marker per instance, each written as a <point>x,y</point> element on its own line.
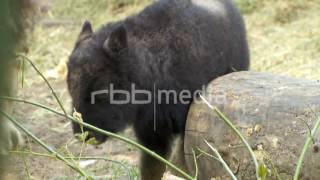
<point>273,112</point>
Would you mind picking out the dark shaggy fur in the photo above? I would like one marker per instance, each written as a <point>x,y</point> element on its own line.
<point>171,45</point>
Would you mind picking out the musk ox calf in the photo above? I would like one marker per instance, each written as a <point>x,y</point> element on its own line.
<point>144,70</point>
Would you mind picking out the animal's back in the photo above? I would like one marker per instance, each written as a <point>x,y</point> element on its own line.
<point>193,41</point>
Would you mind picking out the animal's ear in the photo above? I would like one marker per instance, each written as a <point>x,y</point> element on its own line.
<point>86,30</point>
<point>117,41</point>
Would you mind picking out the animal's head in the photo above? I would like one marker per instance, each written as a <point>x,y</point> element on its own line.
<point>93,68</point>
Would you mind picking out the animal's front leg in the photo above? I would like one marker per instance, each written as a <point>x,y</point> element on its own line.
<point>159,141</point>
<point>151,168</point>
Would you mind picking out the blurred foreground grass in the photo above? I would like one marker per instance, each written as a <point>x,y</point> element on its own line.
<point>284,35</point>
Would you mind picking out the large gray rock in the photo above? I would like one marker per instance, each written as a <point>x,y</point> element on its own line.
<point>271,111</point>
